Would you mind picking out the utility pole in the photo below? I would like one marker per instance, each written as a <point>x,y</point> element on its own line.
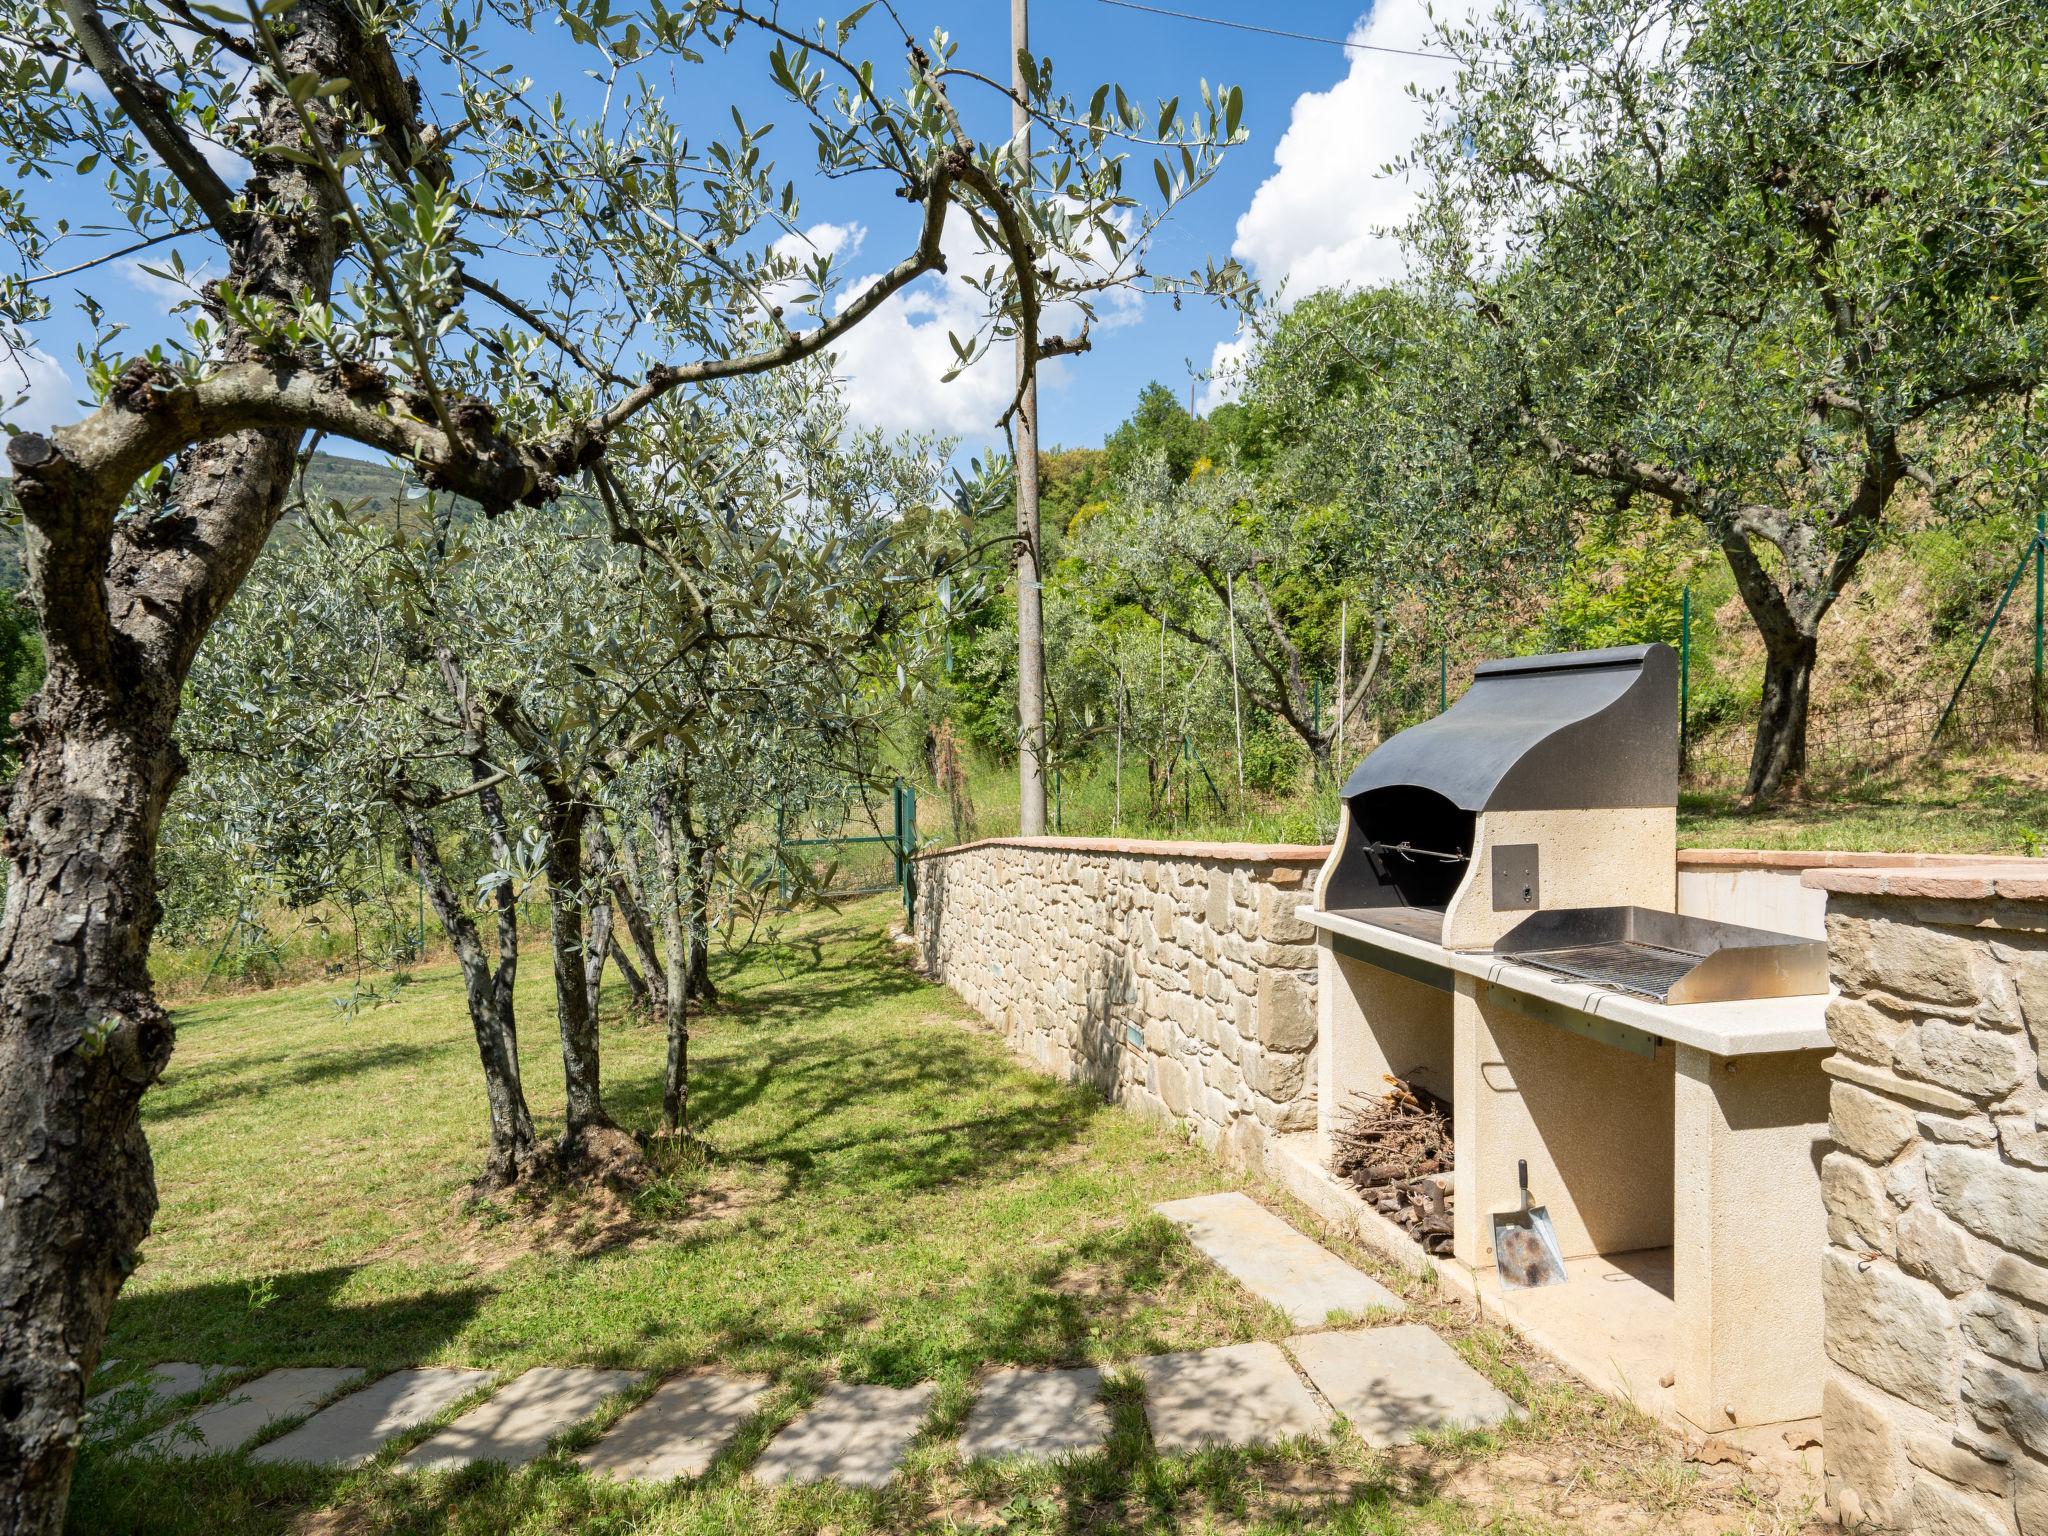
<point>1030,592</point>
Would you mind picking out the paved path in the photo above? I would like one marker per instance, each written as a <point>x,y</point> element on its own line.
<point>1276,1263</point>
<point>679,1431</point>
<point>246,1412</point>
<point>1242,1394</point>
<point>355,1429</point>
<point>1040,1414</point>
<point>113,1408</point>
<point>850,1435</point>
<point>514,1425</point>
<point>1389,1382</point>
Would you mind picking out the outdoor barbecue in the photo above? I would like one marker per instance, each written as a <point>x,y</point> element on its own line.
<point>1634,1092</point>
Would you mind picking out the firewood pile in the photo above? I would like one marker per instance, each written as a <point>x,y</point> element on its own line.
<point>1395,1149</point>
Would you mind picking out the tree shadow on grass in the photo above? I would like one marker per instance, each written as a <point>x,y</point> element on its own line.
<point>202,1086</point>
<point>303,1318</point>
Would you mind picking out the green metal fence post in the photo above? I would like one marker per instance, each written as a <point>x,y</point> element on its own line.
<point>1443,678</point>
<point>2033,553</point>
<point>906,822</point>
<point>1685,677</point>
<point>2040,558</point>
<point>781,866</point>
<point>1059,820</point>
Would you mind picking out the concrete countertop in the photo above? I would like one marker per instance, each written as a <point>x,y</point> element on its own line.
<point>1753,1027</point>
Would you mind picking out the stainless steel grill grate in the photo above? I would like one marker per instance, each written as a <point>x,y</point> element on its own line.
<point>1647,969</point>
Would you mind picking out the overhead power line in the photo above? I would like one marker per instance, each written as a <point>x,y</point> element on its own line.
<point>1299,37</point>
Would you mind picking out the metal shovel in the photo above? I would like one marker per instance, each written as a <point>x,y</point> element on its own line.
<point>1525,1244</point>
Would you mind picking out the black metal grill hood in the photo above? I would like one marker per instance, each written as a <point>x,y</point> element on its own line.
<point>1581,730</point>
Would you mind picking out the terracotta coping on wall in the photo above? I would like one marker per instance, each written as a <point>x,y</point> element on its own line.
<point>2013,879</point>
<point>1236,853</point>
<point>1796,861</point>
<point>1803,859</point>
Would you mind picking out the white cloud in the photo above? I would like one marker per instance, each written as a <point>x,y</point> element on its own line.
<point>894,362</point>
<point>1226,371</point>
<point>832,240</point>
<point>153,275</point>
<point>46,392</point>
<point>1323,218</point>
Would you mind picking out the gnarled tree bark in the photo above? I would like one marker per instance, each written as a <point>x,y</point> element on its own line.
<point>123,609</point>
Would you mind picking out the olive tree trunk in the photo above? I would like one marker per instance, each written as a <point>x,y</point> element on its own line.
<point>489,993</point>
<point>562,821</point>
<point>675,938</point>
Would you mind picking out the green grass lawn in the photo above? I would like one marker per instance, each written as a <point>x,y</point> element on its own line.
<point>883,1196</point>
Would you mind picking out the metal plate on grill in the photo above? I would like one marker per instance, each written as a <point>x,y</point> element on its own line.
<point>1517,877</point>
<point>1667,956</point>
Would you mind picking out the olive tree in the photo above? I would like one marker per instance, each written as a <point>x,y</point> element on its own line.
<point>423,252</point>
<point>1772,267</point>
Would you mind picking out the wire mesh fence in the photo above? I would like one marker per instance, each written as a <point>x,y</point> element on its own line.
<point>1877,733</point>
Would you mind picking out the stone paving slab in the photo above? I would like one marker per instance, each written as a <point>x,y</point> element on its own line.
<point>1037,1414</point>
<point>355,1429</point>
<point>1392,1382</point>
<point>515,1425</point>
<point>163,1383</point>
<point>679,1431</point>
<point>851,1435</point>
<point>246,1412</point>
<point>114,1408</point>
<point>1276,1263</point>
<point>1242,1394</point>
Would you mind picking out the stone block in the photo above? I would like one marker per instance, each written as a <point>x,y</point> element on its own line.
<point>1890,1329</point>
<point>2000,1203</point>
<point>1861,1028</point>
<point>1277,922</point>
<point>1958,1464</point>
<point>2004,1400</point>
<point>2024,1138</point>
<point>2002,1330</point>
<point>1939,1510</point>
<point>1173,1085</point>
<point>1977,1062</point>
<point>1868,1124</point>
<point>1859,1215</point>
<point>1932,1247</point>
<point>1278,1075</point>
<point>1910,960</point>
<point>1861,1445</point>
<point>1957,1130</point>
<point>1286,1012</point>
<point>2030,1498</point>
<point>2015,1276</point>
<point>2026,964</point>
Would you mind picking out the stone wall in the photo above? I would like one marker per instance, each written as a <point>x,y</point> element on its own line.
<point>1174,977</point>
<point>1935,1277</point>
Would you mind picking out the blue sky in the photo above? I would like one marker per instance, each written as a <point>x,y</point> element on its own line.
<point>1308,219</point>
